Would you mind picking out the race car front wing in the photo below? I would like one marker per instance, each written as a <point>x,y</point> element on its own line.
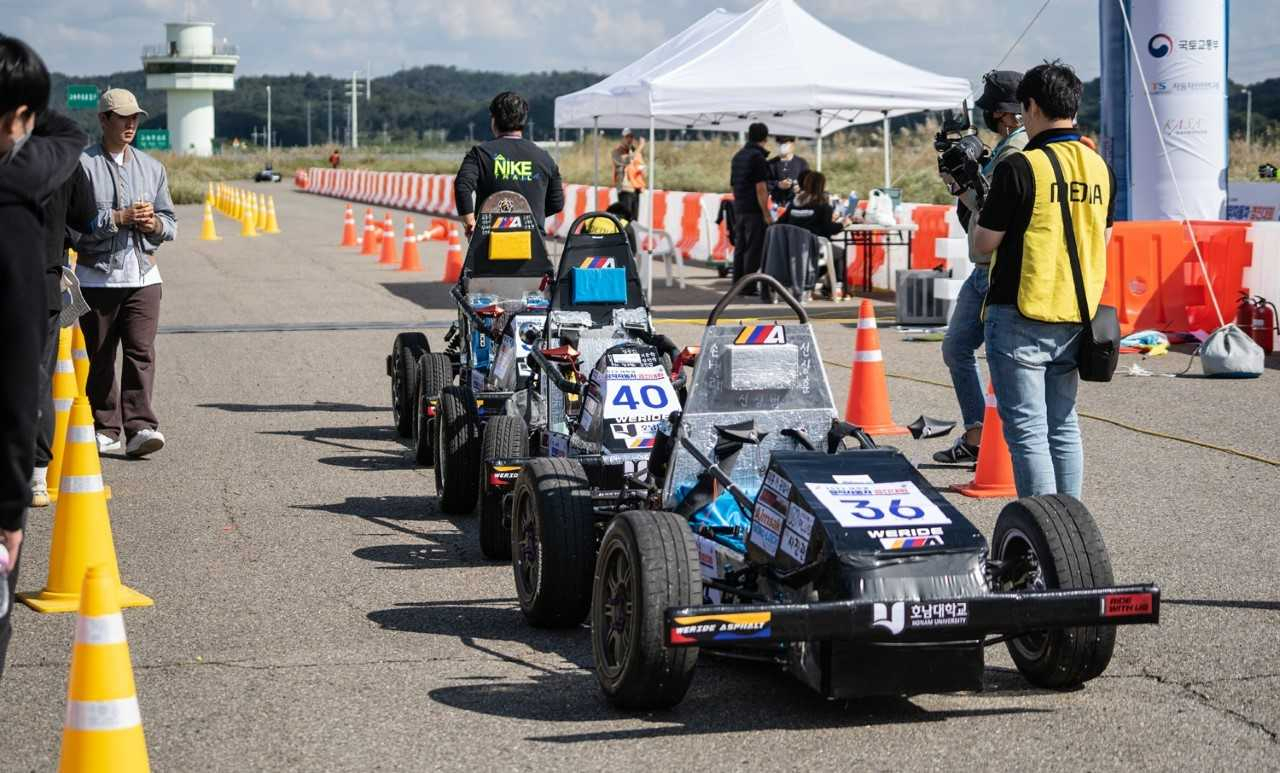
<point>925,620</point>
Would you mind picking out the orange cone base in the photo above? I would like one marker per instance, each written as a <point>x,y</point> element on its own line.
<point>886,429</point>
<point>986,490</point>
<point>48,603</point>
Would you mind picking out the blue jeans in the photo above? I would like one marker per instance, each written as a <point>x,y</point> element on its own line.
<point>963,337</point>
<point>1033,367</point>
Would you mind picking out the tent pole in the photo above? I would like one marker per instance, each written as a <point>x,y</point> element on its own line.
<point>653,182</point>
<point>887,175</point>
<point>595,139</point>
<point>557,145</point>
<point>819,140</point>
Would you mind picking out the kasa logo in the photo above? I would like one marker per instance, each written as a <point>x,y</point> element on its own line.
<point>1159,45</point>
<point>891,617</point>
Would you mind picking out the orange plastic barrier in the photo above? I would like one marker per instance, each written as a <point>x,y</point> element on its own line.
<point>1155,282</point>
<point>659,219</point>
<point>723,249</point>
<point>931,219</point>
<point>603,195</point>
<point>690,223</point>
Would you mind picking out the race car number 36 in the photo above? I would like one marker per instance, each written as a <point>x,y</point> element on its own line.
<point>864,505</point>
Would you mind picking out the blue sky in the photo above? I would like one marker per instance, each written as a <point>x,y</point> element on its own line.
<point>957,37</point>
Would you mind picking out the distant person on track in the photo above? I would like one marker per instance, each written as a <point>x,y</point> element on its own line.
<point>508,162</point>
<point>120,279</point>
<point>335,159</point>
<point>749,178</point>
<point>32,167</point>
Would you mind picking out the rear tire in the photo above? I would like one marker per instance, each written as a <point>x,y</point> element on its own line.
<point>457,451</point>
<point>406,350</point>
<point>553,542</point>
<point>1064,539</point>
<point>435,371</point>
<point>505,437</point>
<point>648,562</point>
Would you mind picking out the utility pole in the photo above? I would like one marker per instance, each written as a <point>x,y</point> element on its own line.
<point>355,110</point>
<point>329,136</point>
<point>308,123</point>
<point>1248,118</point>
<point>531,130</point>
<point>268,122</point>
<point>471,132</point>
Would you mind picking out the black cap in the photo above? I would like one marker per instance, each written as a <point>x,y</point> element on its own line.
<point>999,92</point>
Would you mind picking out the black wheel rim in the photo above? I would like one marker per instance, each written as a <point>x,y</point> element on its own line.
<point>528,557</point>
<point>1017,546</point>
<point>397,407</point>
<point>618,607</point>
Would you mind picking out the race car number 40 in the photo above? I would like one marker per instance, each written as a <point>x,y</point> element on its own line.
<point>865,505</point>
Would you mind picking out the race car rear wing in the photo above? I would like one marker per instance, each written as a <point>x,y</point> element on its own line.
<point>928,620</point>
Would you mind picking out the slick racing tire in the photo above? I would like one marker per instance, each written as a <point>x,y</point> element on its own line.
<point>457,450</point>
<point>1058,532</point>
<point>648,562</point>
<point>434,374</point>
<point>505,437</point>
<point>553,542</point>
<point>405,352</point>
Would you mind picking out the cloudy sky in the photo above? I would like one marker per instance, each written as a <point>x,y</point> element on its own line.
<point>956,37</point>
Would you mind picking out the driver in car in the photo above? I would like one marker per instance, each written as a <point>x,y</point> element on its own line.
<point>508,162</point>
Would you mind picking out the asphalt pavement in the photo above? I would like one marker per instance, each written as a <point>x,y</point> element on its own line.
<point>315,611</point>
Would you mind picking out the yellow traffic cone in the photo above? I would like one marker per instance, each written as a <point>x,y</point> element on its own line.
<point>260,211</point>
<point>103,726</point>
<point>79,358</point>
<point>237,205</point>
<point>273,226</point>
<point>81,526</point>
<point>208,197</point>
<point>65,390</point>
<point>248,220</point>
<point>207,231</point>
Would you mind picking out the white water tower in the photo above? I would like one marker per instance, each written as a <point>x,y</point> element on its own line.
<point>190,67</point>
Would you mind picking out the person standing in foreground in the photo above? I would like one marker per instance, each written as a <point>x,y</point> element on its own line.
<point>1033,325</point>
<point>965,330</point>
<point>508,162</point>
<point>748,179</point>
<point>31,168</point>
<point>120,280</point>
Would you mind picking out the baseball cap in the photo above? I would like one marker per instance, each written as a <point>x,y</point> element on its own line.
<point>999,92</point>
<point>120,102</point>
<point>627,132</point>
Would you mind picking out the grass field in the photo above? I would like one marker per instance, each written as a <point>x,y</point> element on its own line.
<point>851,161</point>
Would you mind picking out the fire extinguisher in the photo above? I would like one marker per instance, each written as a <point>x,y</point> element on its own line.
<point>1244,313</point>
<point>1264,324</point>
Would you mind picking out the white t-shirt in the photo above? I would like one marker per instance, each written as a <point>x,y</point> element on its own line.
<point>129,274</point>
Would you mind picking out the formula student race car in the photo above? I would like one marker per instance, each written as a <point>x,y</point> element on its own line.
<point>767,536</point>
<point>500,295</point>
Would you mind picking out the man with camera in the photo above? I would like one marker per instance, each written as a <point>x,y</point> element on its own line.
<point>1050,208</point>
<point>968,176</point>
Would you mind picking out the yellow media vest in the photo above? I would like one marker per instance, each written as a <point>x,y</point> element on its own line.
<point>1046,289</point>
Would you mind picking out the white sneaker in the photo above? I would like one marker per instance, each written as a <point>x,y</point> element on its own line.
<point>40,487</point>
<point>147,441</point>
<point>106,443</point>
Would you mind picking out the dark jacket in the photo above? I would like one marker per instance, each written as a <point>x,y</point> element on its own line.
<point>779,170</point>
<point>791,257</point>
<point>510,164</point>
<point>26,182</point>
<point>70,205</point>
<point>747,168</point>
<point>818,219</point>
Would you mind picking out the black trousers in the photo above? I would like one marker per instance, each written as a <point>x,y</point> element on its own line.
<point>748,243</point>
<point>49,361</point>
<point>6,620</point>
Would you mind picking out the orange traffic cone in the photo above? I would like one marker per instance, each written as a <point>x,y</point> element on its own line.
<point>81,526</point>
<point>370,234</point>
<point>388,257</point>
<point>103,727</point>
<point>79,358</point>
<point>993,476</point>
<point>453,258</point>
<point>868,405</point>
<point>436,232</point>
<point>410,260</point>
<point>65,390</point>
<point>348,229</point>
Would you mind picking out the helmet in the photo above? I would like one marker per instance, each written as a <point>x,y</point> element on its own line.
<point>999,92</point>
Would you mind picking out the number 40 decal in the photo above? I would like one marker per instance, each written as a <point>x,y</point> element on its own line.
<point>651,395</point>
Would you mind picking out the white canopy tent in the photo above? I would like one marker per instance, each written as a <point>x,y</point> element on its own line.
<point>773,63</point>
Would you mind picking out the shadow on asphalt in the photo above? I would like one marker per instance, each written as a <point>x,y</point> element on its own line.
<point>368,458</point>
<point>293,407</point>
<point>437,549</point>
<point>1266,606</point>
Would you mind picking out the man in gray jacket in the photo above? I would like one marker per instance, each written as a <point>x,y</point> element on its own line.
<point>118,275</point>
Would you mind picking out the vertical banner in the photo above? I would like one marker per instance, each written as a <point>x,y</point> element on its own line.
<point>1182,45</point>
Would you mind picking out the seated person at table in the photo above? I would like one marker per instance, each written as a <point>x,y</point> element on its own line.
<point>812,211</point>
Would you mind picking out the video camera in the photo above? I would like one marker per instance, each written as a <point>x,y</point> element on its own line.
<point>961,153</point>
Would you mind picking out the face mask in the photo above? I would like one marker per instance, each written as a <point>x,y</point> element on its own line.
<point>784,148</point>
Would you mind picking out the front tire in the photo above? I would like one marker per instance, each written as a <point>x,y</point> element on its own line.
<point>405,352</point>
<point>1063,540</point>
<point>435,371</point>
<point>457,450</point>
<point>505,437</point>
<point>648,562</point>
<point>553,542</point>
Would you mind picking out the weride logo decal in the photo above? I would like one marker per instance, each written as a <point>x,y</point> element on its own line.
<point>761,334</point>
<point>691,629</point>
<point>597,261</point>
